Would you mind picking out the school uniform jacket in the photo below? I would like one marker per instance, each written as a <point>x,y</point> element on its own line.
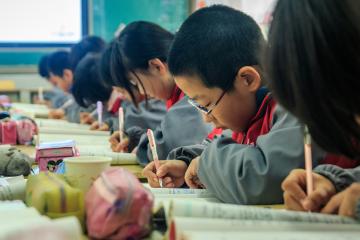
<point>341,178</point>
<point>250,167</point>
<point>141,118</point>
<point>181,126</point>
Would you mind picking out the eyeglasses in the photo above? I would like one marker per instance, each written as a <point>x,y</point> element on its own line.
<point>206,110</point>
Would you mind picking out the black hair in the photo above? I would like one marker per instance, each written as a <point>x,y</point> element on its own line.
<point>58,62</point>
<point>90,44</point>
<point>43,69</point>
<point>213,44</point>
<point>137,43</point>
<point>105,71</point>
<point>88,87</point>
<point>313,63</point>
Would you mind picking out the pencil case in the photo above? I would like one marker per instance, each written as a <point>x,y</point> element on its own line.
<point>25,131</point>
<point>8,132</point>
<point>52,196</point>
<point>118,206</point>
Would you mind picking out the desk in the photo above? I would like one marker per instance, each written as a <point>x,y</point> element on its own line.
<point>135,169</point>
<point>21,95</point>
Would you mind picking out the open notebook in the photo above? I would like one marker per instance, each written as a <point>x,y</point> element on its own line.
<point>72,131</point>
<point>105,151</point>
<point>12,188</point>
<point>164,196</point>
<point>219,219</point>
<point>20,222</point>
<point>61,124</point>
<point>95,140</point>
<point>31,110</point>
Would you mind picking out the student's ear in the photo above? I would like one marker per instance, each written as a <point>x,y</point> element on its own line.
<point>250,77</point>
<point>156,66</point>
<point>357,119</point>
<point>68,76</point>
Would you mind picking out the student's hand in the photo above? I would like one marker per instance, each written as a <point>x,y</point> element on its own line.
<point>114,140</point>
<point>95,126</point>
<point>345,202</point>
<point>191,177</point>
<point>85,118</point>
<point>134,151</point>
<point>57,113</point>
<point>171,171</point>
<point>117,146</point>
<point>295,197</point>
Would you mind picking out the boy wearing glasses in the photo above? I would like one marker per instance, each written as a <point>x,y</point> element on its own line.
<point>214,60</point>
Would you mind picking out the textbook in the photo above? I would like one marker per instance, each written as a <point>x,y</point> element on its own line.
<point>164,196</point>
<point>12,188</point>
<point>61,124</point>
<point>105,151</point>
<point>232,221</point>
<point>31,110</point>
<point>20,222</point>
<point>180,192</point>
<point>72,131</point>
<point>329,234</point>
<point>95,140</point>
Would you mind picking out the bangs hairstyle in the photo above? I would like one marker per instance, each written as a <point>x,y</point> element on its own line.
<point>58,62</point>
<point>138,43</point>
<point>213,44</point>
<point>88,87</point>
<point>313,63</point>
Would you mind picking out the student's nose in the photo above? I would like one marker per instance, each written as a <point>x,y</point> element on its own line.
<point>208,118</point>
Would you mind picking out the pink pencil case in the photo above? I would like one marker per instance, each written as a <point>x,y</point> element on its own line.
<point>8,132</point>
<point>118,206</point>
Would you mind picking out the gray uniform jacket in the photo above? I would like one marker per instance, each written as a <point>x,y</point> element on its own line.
<point>143,117</point>
<point>57,97</point>
<point>252,174</point>
<point>181,126</point>
<point>341,178</point>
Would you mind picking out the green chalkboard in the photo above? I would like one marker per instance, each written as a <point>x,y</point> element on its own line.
<point>106,16</point>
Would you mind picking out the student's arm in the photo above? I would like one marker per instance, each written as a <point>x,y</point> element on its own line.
<point>58,98</point>
<point>138,120</point>
<point>146,116</point>
<point>188,153</point>
<point>341,178</point>
<point>246,174</point>
<point>181,126</point>
<point>110,122</point>
<point>72,113</point>
<point>332,186</point>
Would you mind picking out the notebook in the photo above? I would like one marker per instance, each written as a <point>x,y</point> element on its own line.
<point>164,196</point>
<point>72,131</point>
<point>31,110</point>
<point>105,151</point>
<point>79,139</point>
<point>20,222</point>
<point>57,123</point>
<point>273,235</point>
<point>184,216</point>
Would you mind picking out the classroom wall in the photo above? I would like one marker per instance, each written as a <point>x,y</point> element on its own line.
<point>105,17</point>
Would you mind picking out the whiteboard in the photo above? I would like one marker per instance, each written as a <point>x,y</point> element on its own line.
<point>42,22</point>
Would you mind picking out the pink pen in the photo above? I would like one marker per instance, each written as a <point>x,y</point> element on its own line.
<point>152,143</point>
<point>121,123</point>
<point>308,161</point>
<point>99,109</point>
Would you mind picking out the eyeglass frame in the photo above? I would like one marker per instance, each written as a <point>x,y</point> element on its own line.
<point>207,110</point>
